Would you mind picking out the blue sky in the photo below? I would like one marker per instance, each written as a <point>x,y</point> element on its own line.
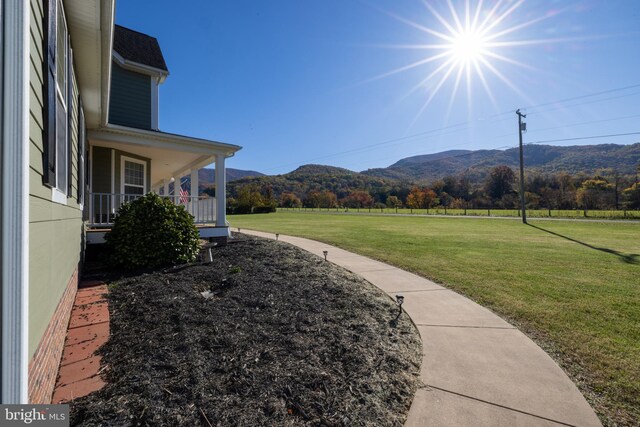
<point>298,81</point>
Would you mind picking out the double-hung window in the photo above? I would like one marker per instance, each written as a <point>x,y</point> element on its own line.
<point>133,176</point>
<point>59,105</point>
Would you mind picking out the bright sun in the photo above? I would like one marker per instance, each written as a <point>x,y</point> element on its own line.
<point>466,45</point>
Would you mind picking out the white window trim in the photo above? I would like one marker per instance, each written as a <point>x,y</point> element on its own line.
<point>144,173</point>
<point>63,97</point>
<point>57,195</point>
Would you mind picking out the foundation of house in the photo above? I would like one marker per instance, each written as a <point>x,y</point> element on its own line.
<point>96,236</point>
<point>43,367</point>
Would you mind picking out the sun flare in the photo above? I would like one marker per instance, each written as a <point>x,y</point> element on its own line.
<point>467,47</point>
<point>468,43</point>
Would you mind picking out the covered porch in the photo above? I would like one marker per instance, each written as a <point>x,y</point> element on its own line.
<point>126,163</point>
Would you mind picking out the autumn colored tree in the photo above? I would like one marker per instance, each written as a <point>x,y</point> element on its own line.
<point>289,200</point>
<point>415,199</point>
<point>321,199</point>
<point>358,199</point>
<point>595,194</point>
<point>631,196</point>
<point>394,202</point>
<point>430,199</point>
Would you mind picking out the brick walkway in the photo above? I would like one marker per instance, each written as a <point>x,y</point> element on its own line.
<point>79,372</point>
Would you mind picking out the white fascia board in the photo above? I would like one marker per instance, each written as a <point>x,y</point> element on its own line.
<point>107,20</point>
<point>126,135</point>
<point>15,201</point>
<point>140,68</point>
<point>90,25</point>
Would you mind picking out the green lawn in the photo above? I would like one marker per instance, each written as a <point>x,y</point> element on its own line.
<point>531,213</point>
<point>573,286</point>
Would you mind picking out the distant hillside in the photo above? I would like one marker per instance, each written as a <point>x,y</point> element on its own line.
<point>207,176</point>
<point>587,159</point>
<point>321,170</point>
<point>316,178</point>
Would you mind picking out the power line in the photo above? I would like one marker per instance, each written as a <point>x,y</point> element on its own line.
<point>389,141</point>
<point>585,137</point>
<point>585,103</point>
<point>588,123</point>
<point>569,125</point>
<point>584,96</point>
<point>618,89</point>
<point>465,125</point>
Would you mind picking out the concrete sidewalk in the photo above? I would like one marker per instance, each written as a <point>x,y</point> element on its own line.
<point>478,370</point>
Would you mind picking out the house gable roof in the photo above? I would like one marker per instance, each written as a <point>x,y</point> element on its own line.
<point>138,47</point>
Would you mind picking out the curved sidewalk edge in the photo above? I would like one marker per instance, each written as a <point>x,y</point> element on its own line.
<point>477,369</point>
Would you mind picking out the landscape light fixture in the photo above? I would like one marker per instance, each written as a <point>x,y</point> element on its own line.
<point>277,235</point>
<point>399,300</point>
<point>325,253</point>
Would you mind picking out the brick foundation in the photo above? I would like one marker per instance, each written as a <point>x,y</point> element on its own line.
<point>43,367</point>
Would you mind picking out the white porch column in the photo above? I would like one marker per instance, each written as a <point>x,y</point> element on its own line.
<point>166,187</point>
<point>194,183</point>
<point>221,192</point>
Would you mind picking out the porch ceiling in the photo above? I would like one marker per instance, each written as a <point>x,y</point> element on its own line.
<point>171,155</point>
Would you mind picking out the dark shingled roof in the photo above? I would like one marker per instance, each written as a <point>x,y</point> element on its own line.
<point>138,47</point>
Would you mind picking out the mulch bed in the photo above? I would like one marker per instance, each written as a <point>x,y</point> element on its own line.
<point>284,339</point>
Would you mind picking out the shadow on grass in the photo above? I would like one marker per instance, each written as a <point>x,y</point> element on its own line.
<point>627,258</point>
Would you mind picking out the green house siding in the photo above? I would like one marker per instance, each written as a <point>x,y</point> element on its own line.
<point>55,230</point>
<point>101,170</point>
<point>130,101</point>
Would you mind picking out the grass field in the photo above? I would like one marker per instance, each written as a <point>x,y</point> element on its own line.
<point>573,286</point>
<point>531,213</point>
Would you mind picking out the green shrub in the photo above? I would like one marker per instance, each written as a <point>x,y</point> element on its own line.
<point>152,232</point>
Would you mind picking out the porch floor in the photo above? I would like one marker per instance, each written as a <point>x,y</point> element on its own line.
<point>79,372</point>
<point>95,235</point>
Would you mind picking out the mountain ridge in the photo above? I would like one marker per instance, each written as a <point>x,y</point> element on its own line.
<point>475,164</point>
<point>575,159</point>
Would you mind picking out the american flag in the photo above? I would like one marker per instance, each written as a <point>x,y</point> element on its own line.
<point>184,196</point>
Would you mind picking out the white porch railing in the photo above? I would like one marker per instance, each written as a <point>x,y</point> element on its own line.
<point>104,206</point>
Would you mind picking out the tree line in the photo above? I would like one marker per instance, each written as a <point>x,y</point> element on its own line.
<point>605,190</point>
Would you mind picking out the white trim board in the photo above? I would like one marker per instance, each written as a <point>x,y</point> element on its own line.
<point>140,68</point>
<point>15,201</point>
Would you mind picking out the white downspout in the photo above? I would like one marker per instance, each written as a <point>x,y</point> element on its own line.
<point>15,201</point>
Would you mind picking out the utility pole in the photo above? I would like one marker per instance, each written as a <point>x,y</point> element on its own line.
<point>522,127</point>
